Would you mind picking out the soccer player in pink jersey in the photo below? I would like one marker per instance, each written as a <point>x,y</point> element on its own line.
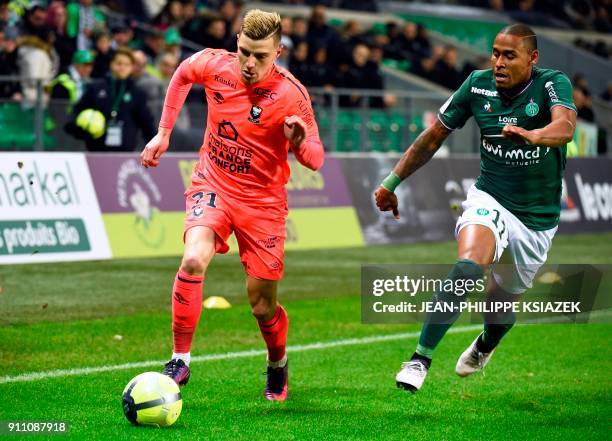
<point>257,112</point>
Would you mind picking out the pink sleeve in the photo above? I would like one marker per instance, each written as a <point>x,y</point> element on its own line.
<point>310,154</point>
<point>191,71</point>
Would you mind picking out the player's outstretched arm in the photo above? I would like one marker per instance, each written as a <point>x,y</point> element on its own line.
<point>421,151</point>
<point>307,149</point>
<point>559,132</point>
<point>191,71</point>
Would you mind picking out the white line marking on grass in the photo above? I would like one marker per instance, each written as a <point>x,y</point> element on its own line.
<point>33,376</point>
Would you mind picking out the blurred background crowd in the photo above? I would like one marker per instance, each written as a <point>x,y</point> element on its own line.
<point>71,45</point>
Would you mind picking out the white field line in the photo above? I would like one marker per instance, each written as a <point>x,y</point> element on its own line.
<point>33,376</point>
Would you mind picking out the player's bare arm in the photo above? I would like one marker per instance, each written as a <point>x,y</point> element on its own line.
<point>559,132</point>
<point>417,155</point>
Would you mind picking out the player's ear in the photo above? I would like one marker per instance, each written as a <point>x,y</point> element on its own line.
<point>535,56</point>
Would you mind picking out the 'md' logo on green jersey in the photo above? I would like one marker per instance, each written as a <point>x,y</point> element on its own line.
<point>532,109</point>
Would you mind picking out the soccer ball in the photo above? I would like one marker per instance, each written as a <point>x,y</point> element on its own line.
<point>92,121</point>
<point>152,399</point>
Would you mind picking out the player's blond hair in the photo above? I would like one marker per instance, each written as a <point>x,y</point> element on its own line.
<point>261,25</point>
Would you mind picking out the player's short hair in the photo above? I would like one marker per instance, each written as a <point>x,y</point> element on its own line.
<point>527,35</point>
<point>261,25</point>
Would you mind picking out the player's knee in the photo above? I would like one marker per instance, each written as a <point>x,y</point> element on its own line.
<point>262,309</point>
<point>193,265</point>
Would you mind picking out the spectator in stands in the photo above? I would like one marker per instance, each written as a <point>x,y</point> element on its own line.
<point>411,46</point>
<point>154,45</point>
<point>37,61</point>
<point>426,67</point>
<point>230,11</point>
<point>103,54</point>
<point>64,45</point>
<point>83,20</point>
<point>361,74</point>
<point>300,30</point>
<point>171,15</point>
<point>350,35</point>
<point>321,73</point>
<point>298,63</point>
<point>320,34</point>
<point>33,20</point>
<point>146,77</point>
<point>123,35</point>
<point>71,85</point>
<point>7,18</point>
<point>607,94</point>
<point>585,111</point>
<point>215,36</point>
<point>286,42</point>
<point>123,105</point>
<point>446,71</point>
<point>8,64</point>
<point>192,22</point>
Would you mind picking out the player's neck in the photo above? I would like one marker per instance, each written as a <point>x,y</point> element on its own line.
<point>514,91</point>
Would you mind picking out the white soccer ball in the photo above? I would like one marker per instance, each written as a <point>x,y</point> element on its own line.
<point>152,399</point>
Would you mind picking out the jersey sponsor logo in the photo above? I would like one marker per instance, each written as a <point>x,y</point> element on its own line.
<point>552,93</point>
<point>218,98</point>
<point>235,159</point>
<point>225,81</point>
<point>227,131</point>
<point>255,114</point>
<point>516,156</point>
<point>265,93</point>
<point>484,92</point>
<point>531,109</point>
<point>482,212</point>
<point>507,120</point>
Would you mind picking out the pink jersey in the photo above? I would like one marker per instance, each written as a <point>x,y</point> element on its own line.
<point>244,153</point>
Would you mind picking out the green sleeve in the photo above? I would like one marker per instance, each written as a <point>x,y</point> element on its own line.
<point>559,91</point>
<point>457,110</point>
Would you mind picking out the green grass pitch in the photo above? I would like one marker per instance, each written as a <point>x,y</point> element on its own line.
<point>544,382</point>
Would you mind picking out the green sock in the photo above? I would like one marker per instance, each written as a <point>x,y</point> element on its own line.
<point>494,332</point>
<point>437,323</point>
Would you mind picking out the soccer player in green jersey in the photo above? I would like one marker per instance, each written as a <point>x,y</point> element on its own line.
<point>526,117</point>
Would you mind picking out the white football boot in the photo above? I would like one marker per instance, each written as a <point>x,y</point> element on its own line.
<point>472,360</point>
<point>412,375</point>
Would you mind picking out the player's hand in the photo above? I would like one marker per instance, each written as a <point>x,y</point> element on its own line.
<point>386,201</point>
<point>518,135</point>
<point>154,149</point>
<point>295,130</point>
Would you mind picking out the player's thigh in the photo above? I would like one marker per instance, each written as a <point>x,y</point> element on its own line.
<point>204,207</point>
<point>526,253</point>
<point>261,242</point>
<point>481,230</point>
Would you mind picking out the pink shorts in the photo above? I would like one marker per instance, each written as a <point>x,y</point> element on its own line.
<point>260,231</point>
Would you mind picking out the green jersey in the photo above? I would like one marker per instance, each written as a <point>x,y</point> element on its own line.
<point>525,179</point>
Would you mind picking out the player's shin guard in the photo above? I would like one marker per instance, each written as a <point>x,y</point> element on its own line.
<point>186,309</point>
<point>274,333</point>
<point>437,323</point>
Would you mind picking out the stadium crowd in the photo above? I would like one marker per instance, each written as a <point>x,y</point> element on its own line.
<point>68,44</point>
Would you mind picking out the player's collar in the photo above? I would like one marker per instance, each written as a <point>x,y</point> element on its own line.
<point>517,90</point>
